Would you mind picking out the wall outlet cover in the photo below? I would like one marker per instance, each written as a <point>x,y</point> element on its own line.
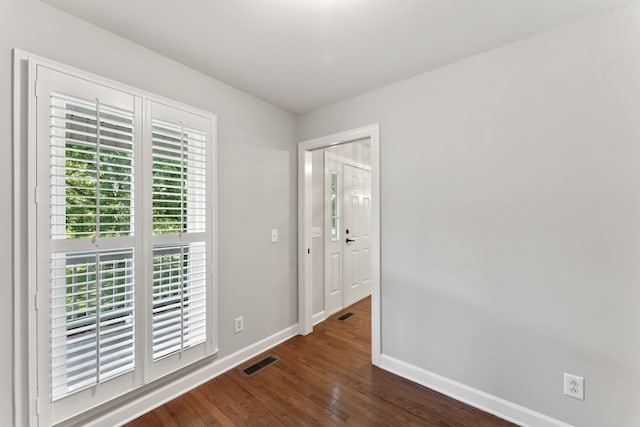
<point>574,386</point>
<point>238,325</point>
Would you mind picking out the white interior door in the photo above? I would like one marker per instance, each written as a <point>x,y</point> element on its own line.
<point>356,238</point>
<point>333,233</point>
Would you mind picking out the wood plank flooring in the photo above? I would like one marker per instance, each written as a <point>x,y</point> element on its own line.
<point>323,379</point>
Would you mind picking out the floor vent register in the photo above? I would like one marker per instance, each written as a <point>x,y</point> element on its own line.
<point>259,366</point>
<point>345,316</point>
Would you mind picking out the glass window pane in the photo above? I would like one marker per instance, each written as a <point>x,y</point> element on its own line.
<point>335,207</point>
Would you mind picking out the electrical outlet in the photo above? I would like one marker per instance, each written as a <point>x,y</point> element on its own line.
<point>574,386</point>
<point>238,325</point>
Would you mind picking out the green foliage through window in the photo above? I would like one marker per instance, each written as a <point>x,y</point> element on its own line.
<point>92,169</point>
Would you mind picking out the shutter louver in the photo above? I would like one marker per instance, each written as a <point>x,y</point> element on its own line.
<point>91,318</point>
<point>179,298</point>
<point>91,169</point>
<point>179,179</point>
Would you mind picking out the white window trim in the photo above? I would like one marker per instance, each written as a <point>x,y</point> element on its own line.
<point>25,299</point>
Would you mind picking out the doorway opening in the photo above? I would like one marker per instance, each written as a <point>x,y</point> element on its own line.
<point>339,227</point>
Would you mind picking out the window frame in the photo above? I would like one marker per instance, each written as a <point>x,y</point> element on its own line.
<point>29,203</point>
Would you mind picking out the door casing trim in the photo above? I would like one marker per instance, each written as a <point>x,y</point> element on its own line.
<point>305,260</point>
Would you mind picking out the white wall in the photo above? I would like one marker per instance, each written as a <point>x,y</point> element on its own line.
<point>511,217</point>
<point>257,190</point>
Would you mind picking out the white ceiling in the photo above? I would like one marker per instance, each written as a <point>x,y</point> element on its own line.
<point>304,54</point>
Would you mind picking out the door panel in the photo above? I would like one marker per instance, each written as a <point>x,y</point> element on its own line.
<point>365,266</point>
<point>357,233</point>
<point>335,284</point>
<point>352,268</point>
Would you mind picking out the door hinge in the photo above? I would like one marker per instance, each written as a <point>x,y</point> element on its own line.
<point>36,87</point>
<point>37,406</point>
<point>35,301</point>
<point>35,195</point>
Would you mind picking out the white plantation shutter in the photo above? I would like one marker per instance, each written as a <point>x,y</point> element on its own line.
<point>91,197</point>
<point>168,178</point>
<point>122,231</point>
<point>179,178</point>
<point>91,169</point>
<point>179,213</point>
<point>87,329</point>
<point>179,298</point>
<point>92,319</point>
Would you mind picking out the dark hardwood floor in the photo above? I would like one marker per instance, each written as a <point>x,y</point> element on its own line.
<point>325,378</point>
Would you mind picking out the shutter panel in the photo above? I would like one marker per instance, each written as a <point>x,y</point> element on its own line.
<point>168,189</point>
<point>179,179</point>
<point>91,197</point>
<point>179,298</point>
<point>116,321</point>
<point>179,207</point>
<point>91,169</point>
<point>91,318</point>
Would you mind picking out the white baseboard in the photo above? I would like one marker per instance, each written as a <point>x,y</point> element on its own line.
<point>318,317</point>
<point>152,400</point>
<point>494,405</point>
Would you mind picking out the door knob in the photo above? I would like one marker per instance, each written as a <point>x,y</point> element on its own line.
<point>350,240</point>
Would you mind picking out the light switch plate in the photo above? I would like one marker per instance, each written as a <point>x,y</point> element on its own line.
<point>274,235</point>
<point>316,232</point>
